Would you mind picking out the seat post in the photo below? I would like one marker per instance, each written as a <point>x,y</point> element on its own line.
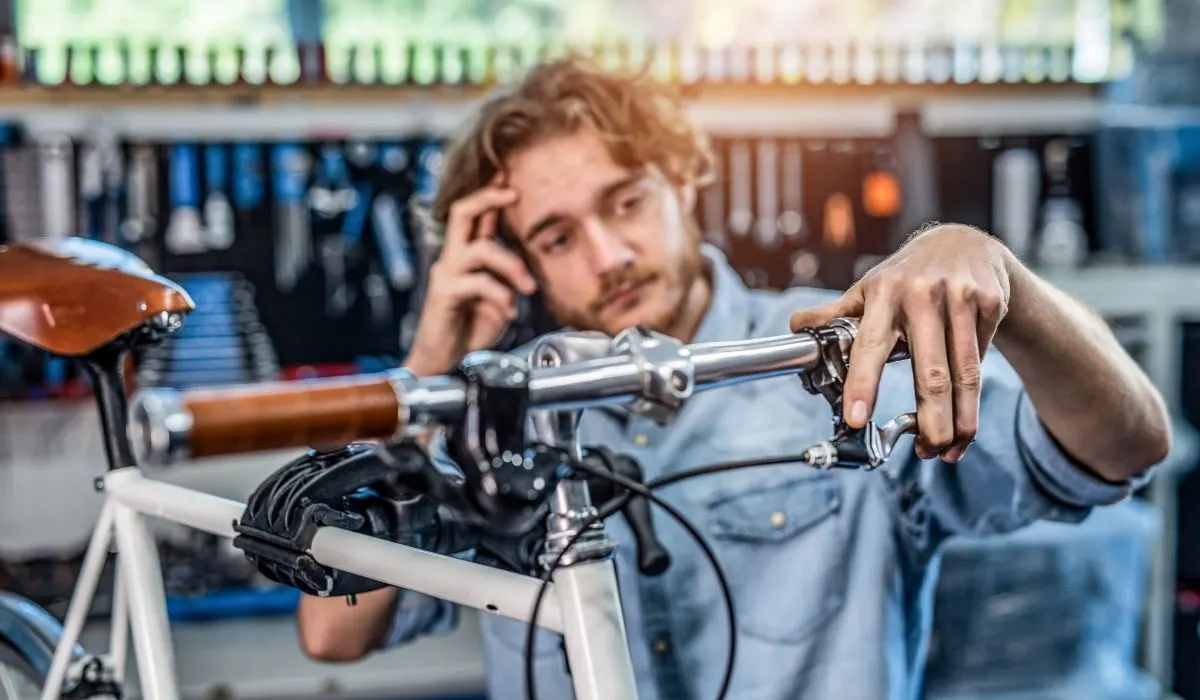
<point>105,366</point>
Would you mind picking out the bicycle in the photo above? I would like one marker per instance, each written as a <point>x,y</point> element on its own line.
<point>366,506</point>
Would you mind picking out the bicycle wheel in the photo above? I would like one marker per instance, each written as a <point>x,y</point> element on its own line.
<point>19,680</point>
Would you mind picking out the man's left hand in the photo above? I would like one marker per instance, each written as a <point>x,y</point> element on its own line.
<point>944,293</point>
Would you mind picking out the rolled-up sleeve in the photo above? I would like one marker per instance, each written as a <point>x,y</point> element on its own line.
<point>419,615</point>
<point>1056,473</point>
<point>1014,474</point>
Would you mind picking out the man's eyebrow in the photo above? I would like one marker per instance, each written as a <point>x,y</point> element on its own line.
<point>553,218</point>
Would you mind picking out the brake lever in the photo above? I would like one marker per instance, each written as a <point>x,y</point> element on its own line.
<point>861,448</point>
<point>850,448</point>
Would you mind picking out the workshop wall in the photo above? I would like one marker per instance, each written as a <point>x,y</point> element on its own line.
<point>272,157</point>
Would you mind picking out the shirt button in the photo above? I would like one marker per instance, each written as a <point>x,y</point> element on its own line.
<point>778,519</point>
<point>641,440</point>
<point>661,646</point>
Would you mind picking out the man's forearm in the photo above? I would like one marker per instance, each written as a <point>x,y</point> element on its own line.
<point>1089,393</point>
<point>332,630</point>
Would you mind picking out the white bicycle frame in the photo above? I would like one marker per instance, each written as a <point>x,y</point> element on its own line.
<point>581,603</point>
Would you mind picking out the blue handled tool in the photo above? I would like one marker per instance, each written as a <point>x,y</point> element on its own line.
<point>248,187</point>
<point>218,213</point>
<point>185,234</point>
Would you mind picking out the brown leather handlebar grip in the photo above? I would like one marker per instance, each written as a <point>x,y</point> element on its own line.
<point>328,412</point>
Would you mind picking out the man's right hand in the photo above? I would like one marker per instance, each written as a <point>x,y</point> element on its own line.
<point>472,293</point>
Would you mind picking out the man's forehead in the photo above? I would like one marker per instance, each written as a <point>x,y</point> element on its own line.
<point>579,158</point>
<point>560,180</point>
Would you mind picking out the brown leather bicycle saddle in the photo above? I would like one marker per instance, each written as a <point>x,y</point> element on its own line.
<point>71,296</point>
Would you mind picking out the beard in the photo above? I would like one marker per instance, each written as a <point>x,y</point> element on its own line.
<point>668,291</point>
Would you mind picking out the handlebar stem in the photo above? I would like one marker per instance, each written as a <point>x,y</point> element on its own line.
<point>571,504</point>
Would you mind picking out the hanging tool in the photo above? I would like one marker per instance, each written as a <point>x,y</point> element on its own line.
<point>113,172</point>
<point>393,242</point>
<point>141,194</point>
<point>91,189</point>
<point>714,201</point>
<point>379,296</point>
<point>426,238</point>
<point>218,213</point>
<point>767,184</point>
<point>185,233</point>
<point>916,169</point>
<point>293,248</point>
<point>388,224</point>
<point>339,295</point>
<point>100,181</point>
<point>741,212</point>
<point>1016,190</point>
<point>23,192</point>
<point>331,194</point>
<point>791,219</point>
<point>248,188</point>
<point>58,187</point>
<point>337,249</point>
<point>1062,242</point>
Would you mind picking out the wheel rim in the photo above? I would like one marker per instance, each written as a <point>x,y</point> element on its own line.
<point>15,685</point>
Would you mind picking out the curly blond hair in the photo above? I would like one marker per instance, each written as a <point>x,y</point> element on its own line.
<point>641,120</point>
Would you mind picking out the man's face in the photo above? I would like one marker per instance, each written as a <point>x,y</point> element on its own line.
<point>611,247</point>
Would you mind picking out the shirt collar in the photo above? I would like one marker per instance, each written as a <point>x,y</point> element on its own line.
<point>728,316</point>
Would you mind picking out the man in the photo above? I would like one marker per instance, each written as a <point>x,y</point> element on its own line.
<point>580,184</point>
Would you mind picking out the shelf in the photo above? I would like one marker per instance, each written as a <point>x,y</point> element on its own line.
<point>238,113</point>
<point>1133,290</point>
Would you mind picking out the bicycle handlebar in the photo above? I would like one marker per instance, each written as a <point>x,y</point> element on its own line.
<point>641,367</point>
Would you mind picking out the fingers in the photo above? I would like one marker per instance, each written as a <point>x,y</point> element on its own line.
<point>849,305</point>
<point>486,227</point>
<point>492,315</point>
<point>876,337</point>
<point>483,287</point>
<point>461,225</point>
<point>487,254</point>
<point>925,328</point>
<point>965,373</point>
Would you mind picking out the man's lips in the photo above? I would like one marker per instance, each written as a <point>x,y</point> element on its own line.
<point>626,293</point>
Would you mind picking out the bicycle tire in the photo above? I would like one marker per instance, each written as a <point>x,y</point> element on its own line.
<point>15,660</point>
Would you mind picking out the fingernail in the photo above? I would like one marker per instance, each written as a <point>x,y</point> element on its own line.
<point>924,452</point>
<point>956,453</point>
<point>858,413</point>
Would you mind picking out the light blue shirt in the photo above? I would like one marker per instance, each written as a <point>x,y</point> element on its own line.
<point>833,573</point>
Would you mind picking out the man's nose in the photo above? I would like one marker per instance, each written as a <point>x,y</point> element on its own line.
<point>609,252</point>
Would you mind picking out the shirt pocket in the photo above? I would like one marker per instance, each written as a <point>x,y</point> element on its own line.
<point>783,547</point>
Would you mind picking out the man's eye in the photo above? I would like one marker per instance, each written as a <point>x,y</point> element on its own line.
<point>558,240</point>
<point>631,203</point>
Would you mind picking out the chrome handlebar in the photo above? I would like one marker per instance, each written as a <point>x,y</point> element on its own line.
<point>650,373</point>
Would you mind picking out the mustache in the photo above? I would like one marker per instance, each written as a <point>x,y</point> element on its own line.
<point>627,277</point>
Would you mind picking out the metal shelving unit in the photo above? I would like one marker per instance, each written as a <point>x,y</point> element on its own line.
<point>227,114</point>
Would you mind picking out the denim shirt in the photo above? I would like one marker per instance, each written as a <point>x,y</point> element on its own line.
<point>833,572</point>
